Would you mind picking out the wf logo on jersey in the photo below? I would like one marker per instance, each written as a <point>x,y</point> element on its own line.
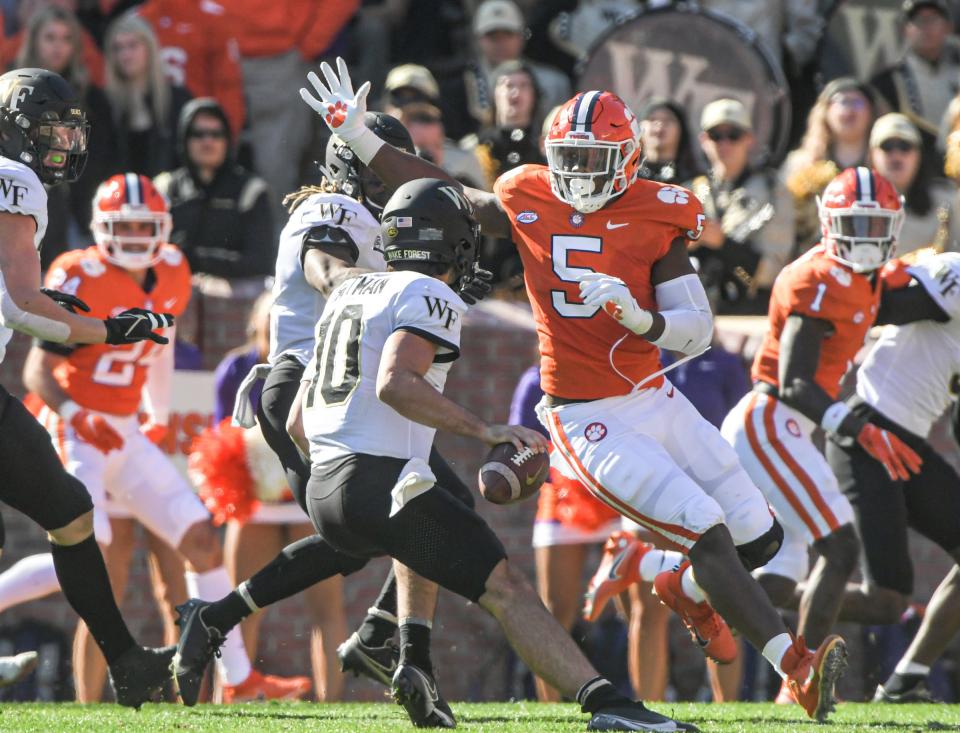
<point>11,191</point>
<point>949,283</point>
<point>441,309</point>
<point>595,432</point>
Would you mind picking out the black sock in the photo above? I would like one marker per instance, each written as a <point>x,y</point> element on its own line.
<point>415,645</point>
<point>375,630</point>
<point>226,613</point>
<point>599,693</point>
<point>86,586</point>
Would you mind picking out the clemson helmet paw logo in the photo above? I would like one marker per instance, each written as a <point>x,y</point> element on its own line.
<point>336,114</point>
<point>595,432</point>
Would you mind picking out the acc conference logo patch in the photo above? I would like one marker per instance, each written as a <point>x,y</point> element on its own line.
<point>842,276</point>
<point>595,432</point>
<point>527,217</point>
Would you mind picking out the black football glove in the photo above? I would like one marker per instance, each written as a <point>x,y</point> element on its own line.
<point>476,286</point>
<point>70,302</point>
<point>137,324</point>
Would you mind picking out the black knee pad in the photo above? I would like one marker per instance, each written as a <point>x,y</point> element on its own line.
<point>448,479</point>
<point>757,553</point>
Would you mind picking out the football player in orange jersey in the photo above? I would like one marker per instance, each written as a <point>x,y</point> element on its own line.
<point>92,396</point>
<point>617,423</point>
<point>821,308</point>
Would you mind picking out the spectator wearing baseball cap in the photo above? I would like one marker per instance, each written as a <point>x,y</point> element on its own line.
<point>411,83</point>
<point>927,77</point>
<point>500,34</point>
<point>930,204</point>
<point>748,235</point>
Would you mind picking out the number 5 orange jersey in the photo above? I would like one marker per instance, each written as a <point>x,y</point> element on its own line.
<point>586,354</point>
<point>110,378</point>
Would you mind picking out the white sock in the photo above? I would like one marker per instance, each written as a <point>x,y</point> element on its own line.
<point>233,665</point>
<point>30,578</point>
<point>775,649</point>
<point>905,666</point>
<point>655,562</point>
<point>688,584</point>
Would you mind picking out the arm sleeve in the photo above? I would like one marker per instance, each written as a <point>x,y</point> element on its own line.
<point>159,385</point>
<point>683,304</point>
<point>431,310</point>
<point>331,240</point>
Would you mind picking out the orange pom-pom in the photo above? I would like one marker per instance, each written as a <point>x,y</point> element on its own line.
<point>218,468</point>
<point>577,507</point>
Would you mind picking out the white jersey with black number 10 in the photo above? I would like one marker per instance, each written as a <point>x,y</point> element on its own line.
<point>21,193</point>
<point>913,371</point>
<point>297,306</point>
<point>341,411</point>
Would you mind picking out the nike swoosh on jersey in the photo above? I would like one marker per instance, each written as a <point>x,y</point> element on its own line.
<point>169,303</point>
<point>670,393</point>
<point>611,225</point>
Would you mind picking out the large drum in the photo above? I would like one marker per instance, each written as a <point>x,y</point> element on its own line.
<point>693,56</point>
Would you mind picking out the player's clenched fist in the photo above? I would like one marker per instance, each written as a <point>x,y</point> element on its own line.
<point>336,102</point>
<point>136,324</point>
<point>897,457</point>
<point>91,428</point>
<point>612,294</point>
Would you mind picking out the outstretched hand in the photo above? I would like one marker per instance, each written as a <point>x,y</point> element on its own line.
<point>336,102</point>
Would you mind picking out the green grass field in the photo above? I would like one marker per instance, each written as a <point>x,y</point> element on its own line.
<point>488,718</point>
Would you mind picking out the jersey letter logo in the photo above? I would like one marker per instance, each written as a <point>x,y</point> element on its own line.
<point>441,309</point>
<point>11,191</point>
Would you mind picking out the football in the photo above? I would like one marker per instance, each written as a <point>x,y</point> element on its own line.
<point>508,475</point>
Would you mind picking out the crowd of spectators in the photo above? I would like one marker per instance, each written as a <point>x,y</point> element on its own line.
<point>201,96</point>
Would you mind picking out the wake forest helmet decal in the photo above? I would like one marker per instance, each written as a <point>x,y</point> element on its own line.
<point>429,220</point>
<point>351,177</point>
<point>42,124</point>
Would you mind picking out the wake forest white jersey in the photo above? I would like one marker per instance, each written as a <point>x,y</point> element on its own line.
<point>297,306</point>
<point>21,193</point>
<point>341,411</point>
<point>912,373</point>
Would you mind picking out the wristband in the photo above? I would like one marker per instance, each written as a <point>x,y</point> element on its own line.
<point>366,145</point>
<point>833,416</point>
<point>68,409</point>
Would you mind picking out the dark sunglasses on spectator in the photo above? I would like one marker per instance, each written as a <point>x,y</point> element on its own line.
<point>212,134</point>
<point>900,146</point>
<point>733,135</point>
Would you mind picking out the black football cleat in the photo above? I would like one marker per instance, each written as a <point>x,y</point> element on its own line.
<point>417,692</point>
<point>913,689</point>
<point>140,674</point>
<point>635,716</point>
<point>376,662</point>
<point>198,645</point>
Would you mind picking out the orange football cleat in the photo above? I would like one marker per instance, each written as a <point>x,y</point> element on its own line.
<point>709,631</point>
<point>619,569</point>
<point>261,687</point>
<point>812,676</point>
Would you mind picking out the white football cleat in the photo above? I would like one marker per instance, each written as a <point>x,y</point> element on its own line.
<point>14,669</point>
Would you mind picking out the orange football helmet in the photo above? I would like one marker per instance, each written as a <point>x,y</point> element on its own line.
<point>861,214</point>
<point>593,150</point>
<point>129,198</point>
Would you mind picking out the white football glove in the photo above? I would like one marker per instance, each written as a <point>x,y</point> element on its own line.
<point>613,295</point>
<point>338,105</point>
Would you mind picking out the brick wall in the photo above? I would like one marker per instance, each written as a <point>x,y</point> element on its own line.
<point>498,344</point>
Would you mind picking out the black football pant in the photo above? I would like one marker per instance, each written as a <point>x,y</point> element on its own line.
<point>929,502</point>
<point>310,562</point>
